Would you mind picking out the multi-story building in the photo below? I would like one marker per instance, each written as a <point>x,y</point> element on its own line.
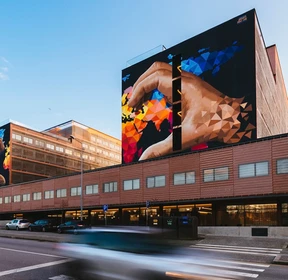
<point>242,181</point>
<point>33,155</point>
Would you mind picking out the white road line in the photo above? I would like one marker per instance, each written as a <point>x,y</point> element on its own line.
<point>234,251</point>
<point>246,263</point>
<point>37,266</point>
<point>62,277</point>
<point>28,252</point>
<point>250,248</point>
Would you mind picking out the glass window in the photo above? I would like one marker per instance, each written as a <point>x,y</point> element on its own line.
<point>75,191</point>
<point>50,146</point>
<point>179,179</point>
<point>59,149</point>
<point>246,170</point>
<point>37,196</point>
<point>262,168</point>
<point>39,143</point>
<point>110,187</point>
<point>61,193</point>
<point>159,181</point>
<point>27,140</point>
<point>208,175</point>
<point>221,173</point>
<point>282,166</point>
<point>26,197</point>
<point>131,184</point>
<point>17,198</point>
<point>1,200</point>
<point>92,189</point>
<point>150,182</point>
<point>68,152</point>
<point>49,194</point>
<point>7,199</point>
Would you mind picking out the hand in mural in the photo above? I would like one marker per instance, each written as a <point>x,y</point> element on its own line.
<point>207,114</point>
<point>2,147</point>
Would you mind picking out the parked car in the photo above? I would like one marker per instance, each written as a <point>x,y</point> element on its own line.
<point>73,226</point>
<point>18,224</point>
<point>44,225</point>
<point>123,253</point>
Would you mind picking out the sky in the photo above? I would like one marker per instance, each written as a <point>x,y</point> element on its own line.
<point>62,60</point>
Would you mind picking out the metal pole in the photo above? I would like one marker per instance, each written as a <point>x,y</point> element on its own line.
<point>81,185</point>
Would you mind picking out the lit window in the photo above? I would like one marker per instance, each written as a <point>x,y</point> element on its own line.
<point>61,193</point>
<point>75,191</point>
<point>68,152</point>
<point>17,198</point>
<point>49,194</point>
<point>26,197</point>
<point>92,189</point>
<point>37,196</point>
<point>50,146</point>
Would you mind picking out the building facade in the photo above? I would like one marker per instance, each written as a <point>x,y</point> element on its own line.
<point>244,185</point>
<point>33,155</point>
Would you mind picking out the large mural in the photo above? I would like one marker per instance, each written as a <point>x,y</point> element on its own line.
<point>4,154</point>
<point>210,102</point>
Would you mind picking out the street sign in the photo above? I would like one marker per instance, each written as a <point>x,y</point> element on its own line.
<point>105,207</point>
<point>147,204</point>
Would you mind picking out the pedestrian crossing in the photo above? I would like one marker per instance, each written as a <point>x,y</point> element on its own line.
<point>238,249</point>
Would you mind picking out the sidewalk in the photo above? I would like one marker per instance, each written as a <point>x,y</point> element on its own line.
<point>260,242</point>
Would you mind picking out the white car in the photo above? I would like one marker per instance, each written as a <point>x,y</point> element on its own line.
<point>18,224</point>
<point>127,254</point>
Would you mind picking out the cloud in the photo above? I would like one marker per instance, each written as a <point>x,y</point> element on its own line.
<point>3,77</point>
<point>6,61</point>
<point>4,69</point>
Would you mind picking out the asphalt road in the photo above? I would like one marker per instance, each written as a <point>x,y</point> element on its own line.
<point>38,260</point>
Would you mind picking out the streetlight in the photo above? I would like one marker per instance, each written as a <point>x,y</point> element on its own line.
<point>71,138</point>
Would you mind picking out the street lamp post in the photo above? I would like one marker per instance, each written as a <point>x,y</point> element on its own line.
<point>81,175</point>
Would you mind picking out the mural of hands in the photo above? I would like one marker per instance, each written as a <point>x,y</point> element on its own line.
<point>207,114</point>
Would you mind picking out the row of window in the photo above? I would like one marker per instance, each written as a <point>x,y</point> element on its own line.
<point>59,149</point>
<point>183,178</point>
<point>105,143</point>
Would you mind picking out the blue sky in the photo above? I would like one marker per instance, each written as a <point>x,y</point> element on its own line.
<point>62,60</point>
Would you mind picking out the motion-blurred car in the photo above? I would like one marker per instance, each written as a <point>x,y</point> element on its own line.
<point>43,225</point>
<point>129,254</point>
<point>72,226</point>
<point>18,224</point>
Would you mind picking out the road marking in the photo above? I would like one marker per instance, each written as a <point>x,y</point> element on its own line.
<point>248,264</point>
<point>32,253</point>
<point>37,266</point>
<point>249,248</point>
<point>62,277</point>
<point>236,250</point>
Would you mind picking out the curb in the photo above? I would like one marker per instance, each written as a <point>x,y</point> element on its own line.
<point>281,259</point>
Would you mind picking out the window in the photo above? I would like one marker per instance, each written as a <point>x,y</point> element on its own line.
<point>85,156</point>
<point>93,138</point>
<point>99,151</point>
<point>49,194</point>
<point>184,178</point>
<point>59,149</point>
<point>253,169</point>
<point>26,197</point>
<point>75,191</point>
<point>1,200</point>
<point>110,187</point>
<point>157,181</point>
<point>85,146</point>
<point>131,184</point>
<point>39,143</point>
<point>61,193</point>
<point>16,137</point>
<point>17,198</point>
<point>50,146</point>
<point>92,148</point>
<point>37,196</point>
<point>282,166</point>
<point>92,189</point>
<point>27,140</point>
<point>216,174</point>
<point>7,199</point>
<point>68,152</point>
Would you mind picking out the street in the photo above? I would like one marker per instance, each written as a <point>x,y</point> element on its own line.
<point>39,260</point>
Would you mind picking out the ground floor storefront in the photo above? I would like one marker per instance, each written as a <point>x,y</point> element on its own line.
<point>241,212</point>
